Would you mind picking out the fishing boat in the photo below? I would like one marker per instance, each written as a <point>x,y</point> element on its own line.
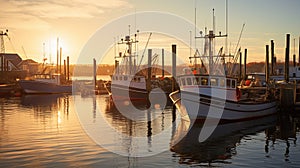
<point>125,83</point>
<point>7,89</point>
<point>132,82</point>
<point>44,84</point>
<point>210,89</point>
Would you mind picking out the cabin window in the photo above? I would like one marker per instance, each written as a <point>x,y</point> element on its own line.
<point>233,84</point>
<point>222,82</point>
<point>189,81</point>
<point>125,78</point>
<point>214,82</point>
<point>183,81</point>
<point>196,81</point>
<point>204,81</point>
<point>138,79</point>
<point>228,83</point>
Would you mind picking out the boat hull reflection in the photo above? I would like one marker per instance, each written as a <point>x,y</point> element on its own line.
<point>220,145</point>
<point>41,99</point>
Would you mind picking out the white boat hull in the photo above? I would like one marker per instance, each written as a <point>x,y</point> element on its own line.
<point>192,106</point>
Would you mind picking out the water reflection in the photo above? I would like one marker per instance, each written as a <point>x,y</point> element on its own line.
<point>47,108</point>
<point>44,131</point>
<point>146,121</point>
<point>284,132</point>
<point>146,132</point>
<point>220,146</point>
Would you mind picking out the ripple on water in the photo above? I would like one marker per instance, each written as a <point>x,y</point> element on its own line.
<point>51,136</point>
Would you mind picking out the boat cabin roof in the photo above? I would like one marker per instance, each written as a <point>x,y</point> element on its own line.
<point>207,80</point>
<point>120,77</point>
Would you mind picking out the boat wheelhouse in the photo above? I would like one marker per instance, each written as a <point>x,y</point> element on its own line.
<point>205,83</point>
<point>131,87</point>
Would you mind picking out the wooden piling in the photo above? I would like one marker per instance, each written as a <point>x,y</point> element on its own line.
<point>267,65</point>
<point>294,55</point>
<point>294,60</point>
<point>173,78</point>
<point>60,56</point>
<point>272,57</point>
<point>245,64</point>
<point>299,52</point>
<point>287,90</point>
<point>240,78</point>
<point>95,73</point>
<point>287,58</point>
<point>173,67</point>
<point>65,71</point>
<point>57,56</point>
<point>68,68</point>
<point>287,95</point>
<point>149,70</point>
<point>163,62</point>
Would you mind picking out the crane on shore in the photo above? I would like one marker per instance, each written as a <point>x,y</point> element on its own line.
<point>2,34</point>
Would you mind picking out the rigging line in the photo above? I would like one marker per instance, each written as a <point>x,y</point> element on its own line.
<point>11,43</point>
<point>226,26</point>
<point>144,50</point>
<point>236,48</point>
<point>234,61</point>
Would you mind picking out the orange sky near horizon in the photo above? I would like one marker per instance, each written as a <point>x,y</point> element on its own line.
<point>34,26</point>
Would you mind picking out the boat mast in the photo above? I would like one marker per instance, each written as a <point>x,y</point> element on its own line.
<point>209,44</point>
<point>128,53</point>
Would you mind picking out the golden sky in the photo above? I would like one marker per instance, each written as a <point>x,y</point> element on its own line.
<point>34,25</point>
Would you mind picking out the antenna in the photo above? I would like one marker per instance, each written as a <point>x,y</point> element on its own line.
<point>190,43</point>
<point>214,26</point>
<point>57,55</point>
<point>129,29</point>
<point>226,26</point>
<point>214,30</point>
<point>44,54</point>
<point>195,23</point>
<point>135,19</point>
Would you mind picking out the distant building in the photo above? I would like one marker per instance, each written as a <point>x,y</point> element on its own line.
<point>29,65</point>
<point>12,67</point>
<point>9,62</point>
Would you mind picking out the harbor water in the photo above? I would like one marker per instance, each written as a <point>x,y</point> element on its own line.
<point>77,131</point>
